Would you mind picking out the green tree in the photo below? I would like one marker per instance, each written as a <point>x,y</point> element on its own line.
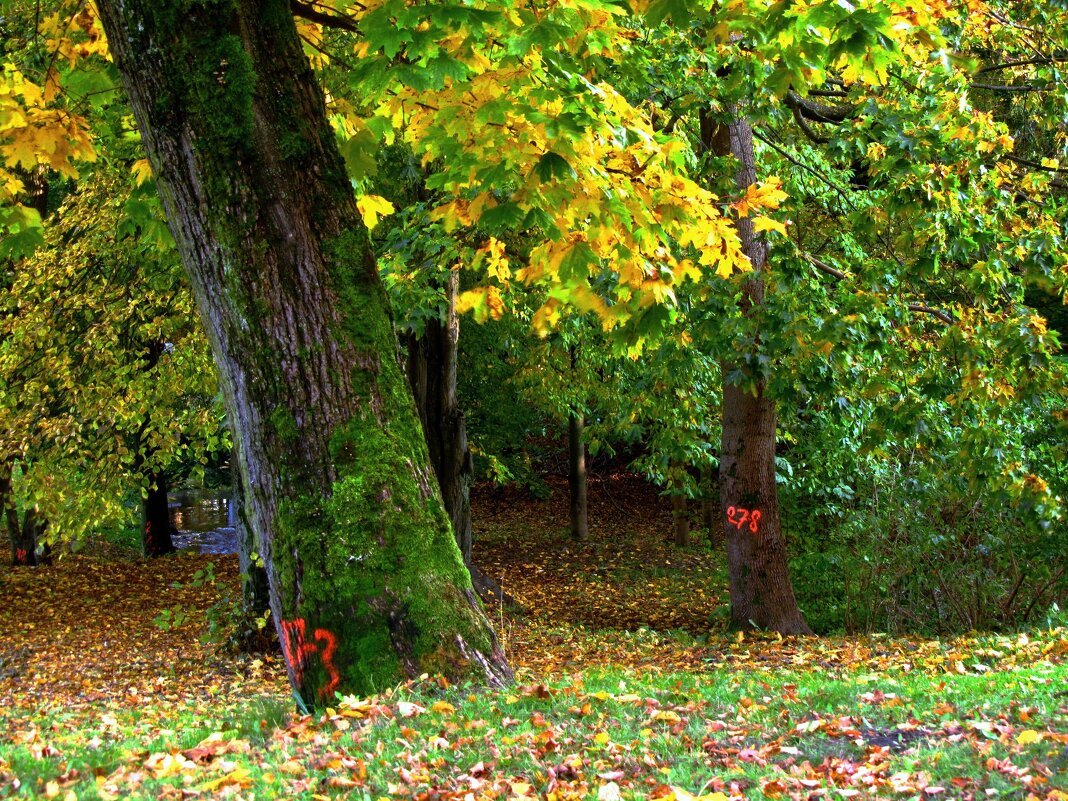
<point>367,584</point>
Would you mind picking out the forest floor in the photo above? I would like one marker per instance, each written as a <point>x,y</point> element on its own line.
<point>621,691</point>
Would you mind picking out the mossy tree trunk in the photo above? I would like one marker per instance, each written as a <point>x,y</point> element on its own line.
<point>762,595</point>
<point>367,585</point>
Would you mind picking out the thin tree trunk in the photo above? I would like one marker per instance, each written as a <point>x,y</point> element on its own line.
<point>761,593</point>
<point>576,477</point>
<point>24,535</point>
<point>367,585</point>
<point>710,510</point>
<point>432,365</point>
<point>576,473</point>
<point>156,517</point>
<point>155,508</point>
<point>680,514</point>
<point>433,360</point>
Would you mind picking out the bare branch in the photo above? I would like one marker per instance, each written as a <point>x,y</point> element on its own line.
<point>994,87</point>
<point>919,308</point>
<point>1023,62</point>
<point>823,267</point>
<point>1035,165</point>
<point>819,112</point>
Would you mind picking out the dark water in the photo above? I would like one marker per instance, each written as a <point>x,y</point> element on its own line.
<point>203,522</point>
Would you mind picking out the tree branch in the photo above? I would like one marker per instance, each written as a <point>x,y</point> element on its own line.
<point>1023,62</point>
<point>838,275</point>
<point>312,14</point>
<point>1035,165</point>
<point>921,309</point>
<point>823,267</point>
<point>818,112</point>
<point>994,87</point>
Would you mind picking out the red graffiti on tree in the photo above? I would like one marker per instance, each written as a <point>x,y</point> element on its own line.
<point>20,556</point>
<point>738,517</point>
<point>298,650</point>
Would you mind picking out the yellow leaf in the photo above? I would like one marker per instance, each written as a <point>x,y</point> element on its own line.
<point>142,171</point>
<point>667,716</point>
<point>761,224</point>
<point>683,795</point>
<point>372,207</point>
<point>1028,736</point>
<point>601,738</point>
<point>442,707</point>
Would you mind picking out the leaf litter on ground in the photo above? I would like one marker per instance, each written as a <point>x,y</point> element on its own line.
<point>620,694</point>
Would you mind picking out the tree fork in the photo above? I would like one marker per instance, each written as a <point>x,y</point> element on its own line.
<point>367,586</point>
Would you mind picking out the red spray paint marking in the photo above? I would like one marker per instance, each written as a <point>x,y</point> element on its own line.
<point>298,650</point>
<point>738,517</point>
<point>20,556</point>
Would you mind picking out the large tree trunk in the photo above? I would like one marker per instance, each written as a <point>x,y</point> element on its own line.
<point>367,585</point>
<point>761,593</point>
<point>432,363</point>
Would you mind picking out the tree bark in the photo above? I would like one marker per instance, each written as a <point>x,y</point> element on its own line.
<point>255,587</point>
<point>762,595</point>
<point>576,474</point>
<point>24,535</point>
<point>680,514</point>
<point>367,585</point>
<point>156,517</point>
<point>155,509</point>
<point>432,364</point>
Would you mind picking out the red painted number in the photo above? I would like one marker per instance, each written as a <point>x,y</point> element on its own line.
<point>298,650</point>
<point>738,517</point>
<point>20,556</point>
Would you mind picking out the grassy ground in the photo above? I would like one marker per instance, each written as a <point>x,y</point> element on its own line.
<point>627,688</point>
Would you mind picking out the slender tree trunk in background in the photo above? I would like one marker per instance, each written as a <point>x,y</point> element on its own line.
<point>433,360</point>
<point>155,508</point>
<point>761,593</point>
<point>576,473</point>
<point>576,477</point>
<point>680,514</point>
<point>367,585</point>
<point>432,364</point>
<point>156,517</point>
<point>24,535</point>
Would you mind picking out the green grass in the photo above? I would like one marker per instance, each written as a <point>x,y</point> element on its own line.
<point>724,730</point>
